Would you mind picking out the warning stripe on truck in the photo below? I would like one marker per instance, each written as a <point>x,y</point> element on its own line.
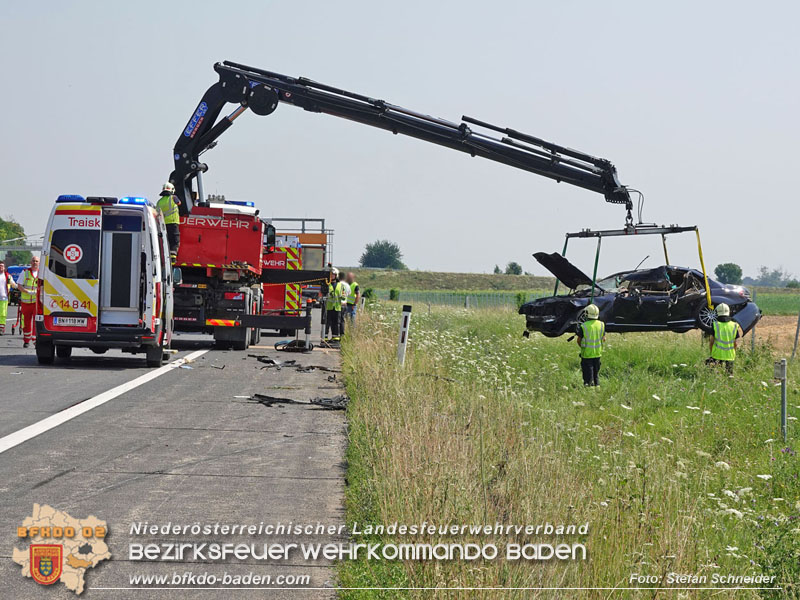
<point>222,322</point>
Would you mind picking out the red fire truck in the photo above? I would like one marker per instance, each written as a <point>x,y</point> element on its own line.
<point>229,257</point>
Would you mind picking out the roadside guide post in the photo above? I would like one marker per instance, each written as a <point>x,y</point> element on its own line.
<point>796,334</point>
<point>753,333</point>
<point>402,341</point>
<point>780,374</point>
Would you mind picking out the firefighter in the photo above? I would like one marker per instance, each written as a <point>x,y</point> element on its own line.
<point>27,302</point>
<point>6,283</point>
<point>353,298</point>
<point>725,339</point>
<point>591,337</point>
<point>333,306</point>
<point>168,205</point>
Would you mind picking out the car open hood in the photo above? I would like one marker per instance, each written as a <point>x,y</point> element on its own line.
<point>567,273</point>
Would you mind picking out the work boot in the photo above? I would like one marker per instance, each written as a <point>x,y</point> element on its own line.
<point>26,345</point>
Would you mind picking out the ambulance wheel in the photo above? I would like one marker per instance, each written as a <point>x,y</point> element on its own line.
<point>64,351</point>
<point>45,352</point>
<point>155,356</point>
<point>255,336</point>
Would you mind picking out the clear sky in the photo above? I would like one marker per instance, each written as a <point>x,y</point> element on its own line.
<point>696,103</point>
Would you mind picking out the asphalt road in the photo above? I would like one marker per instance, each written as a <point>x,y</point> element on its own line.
<point>180,448</point>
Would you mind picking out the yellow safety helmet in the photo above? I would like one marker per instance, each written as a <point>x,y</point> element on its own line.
<point>723,310</point>
<point>168,187</point>
<point>592,312</point>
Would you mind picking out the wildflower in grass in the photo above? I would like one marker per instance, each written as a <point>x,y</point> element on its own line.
<point>703,454</point>
<point>693,407</point>
<point>706,412</point>
<point>681,475</point>
<point>744,491</point>
<point>769,441</point>
<point>683,364</point>
<point>764,477</point>
<point>626,407</point>
<point>722,465</point>
<point>651,424</point>
<point>736,513</point>
<point>629,434</point>
<point>578,404</point>
<point>656,398</point>
<point>764,383</point>
<point>669,441</point>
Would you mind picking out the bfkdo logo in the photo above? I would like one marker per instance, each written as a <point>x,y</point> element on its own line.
<point>61,548</point>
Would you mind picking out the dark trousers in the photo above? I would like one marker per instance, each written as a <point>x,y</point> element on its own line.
<point>333,322</point>
<point>717,363</point>
<point>174,238</point>
<point>591,370</point>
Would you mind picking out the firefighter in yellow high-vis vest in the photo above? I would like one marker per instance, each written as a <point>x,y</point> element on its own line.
<point>333,306</point>
<point>168,205</point>
<point>591,337</point>
<point>725,339</point>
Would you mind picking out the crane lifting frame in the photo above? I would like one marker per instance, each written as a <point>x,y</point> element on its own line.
<point>632,231</point>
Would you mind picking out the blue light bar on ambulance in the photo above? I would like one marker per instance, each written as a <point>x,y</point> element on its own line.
<point>239,203</point>
<point>133,200</point>
<point>70,198</point>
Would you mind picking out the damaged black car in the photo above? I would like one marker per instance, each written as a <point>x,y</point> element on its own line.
<point>664,298</point>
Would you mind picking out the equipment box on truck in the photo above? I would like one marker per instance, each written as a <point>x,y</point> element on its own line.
<point>105,280</point>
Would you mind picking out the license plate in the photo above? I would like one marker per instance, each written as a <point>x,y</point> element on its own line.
<point>69,321</point>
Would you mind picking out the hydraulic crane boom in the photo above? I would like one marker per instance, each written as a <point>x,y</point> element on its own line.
<point>261,91</point>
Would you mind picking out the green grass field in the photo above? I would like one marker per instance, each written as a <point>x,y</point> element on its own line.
<point>674,466</point>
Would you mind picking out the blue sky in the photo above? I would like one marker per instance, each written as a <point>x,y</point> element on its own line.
<point>695,103</point>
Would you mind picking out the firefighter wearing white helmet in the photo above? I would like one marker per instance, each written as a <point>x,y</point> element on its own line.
<point>591,337</point>
<point>725,339</point>
<point>168,205</point>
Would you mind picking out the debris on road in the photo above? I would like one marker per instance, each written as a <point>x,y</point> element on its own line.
<point>312,368</point>
<point>335,403</point>
<point>331,403</point>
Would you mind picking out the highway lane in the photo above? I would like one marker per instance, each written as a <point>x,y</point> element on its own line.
<point>180,448</point>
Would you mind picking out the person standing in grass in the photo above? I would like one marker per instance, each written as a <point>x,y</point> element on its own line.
<point>725,339</point>
<point>591,337</point>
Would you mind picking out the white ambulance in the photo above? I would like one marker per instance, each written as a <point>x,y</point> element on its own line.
<point>105,279</point>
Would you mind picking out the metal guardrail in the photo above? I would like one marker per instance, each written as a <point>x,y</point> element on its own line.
<point>464,299</point>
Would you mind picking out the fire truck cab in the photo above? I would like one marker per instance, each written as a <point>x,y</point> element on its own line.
<point>105,279</point>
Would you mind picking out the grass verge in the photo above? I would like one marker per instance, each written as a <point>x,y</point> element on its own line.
<point>675,467</point>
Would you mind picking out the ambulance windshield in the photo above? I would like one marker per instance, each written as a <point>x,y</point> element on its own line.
<point>75,253</point>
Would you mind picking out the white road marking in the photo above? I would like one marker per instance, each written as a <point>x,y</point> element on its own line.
<point>31,431</point>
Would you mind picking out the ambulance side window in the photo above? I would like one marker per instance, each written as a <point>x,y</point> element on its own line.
<point>75,253</point>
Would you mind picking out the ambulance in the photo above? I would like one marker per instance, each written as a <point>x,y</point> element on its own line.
<point>105,279</point>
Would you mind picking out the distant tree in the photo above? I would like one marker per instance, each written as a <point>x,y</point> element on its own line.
<point>9,230</point>
<point>770,277</point>
<point>513,268</point>
<point>497,270</point>
<point>729,273</point>
<point>793,284</point>
<point>382,254</point>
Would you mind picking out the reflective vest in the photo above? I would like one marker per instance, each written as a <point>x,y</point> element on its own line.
<point>724,347</point>
<point>169,209</point>
<point>351,299</point>
<point>592,333</point>
<point>335,296</point>
<point>27,279</point>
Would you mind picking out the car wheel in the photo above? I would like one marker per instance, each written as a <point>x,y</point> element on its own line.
<point>706,317</point>
<point>45,352</point>
<point>64,351</point>
<point>154,356</point>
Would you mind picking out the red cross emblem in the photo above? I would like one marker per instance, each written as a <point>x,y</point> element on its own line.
<point>73,253</point>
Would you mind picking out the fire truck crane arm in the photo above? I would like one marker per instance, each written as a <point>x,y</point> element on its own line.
<point>261,91</point>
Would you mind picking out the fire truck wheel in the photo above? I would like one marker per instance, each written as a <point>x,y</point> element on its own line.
<point>64,351</point>
<point>155,356</point>
<point>45,352</point>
